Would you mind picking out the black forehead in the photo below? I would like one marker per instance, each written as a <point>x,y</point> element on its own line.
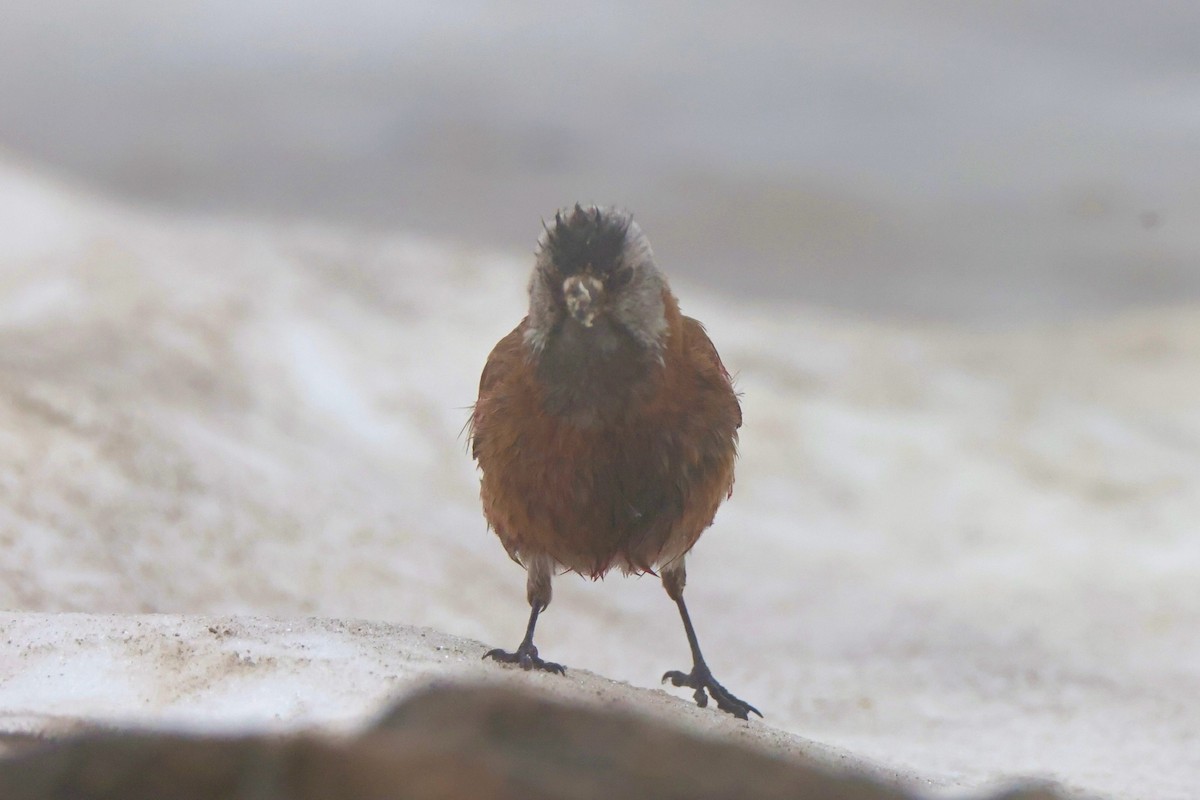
<point>586,236</point>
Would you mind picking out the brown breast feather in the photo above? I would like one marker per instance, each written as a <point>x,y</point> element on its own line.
<point>635,492</point>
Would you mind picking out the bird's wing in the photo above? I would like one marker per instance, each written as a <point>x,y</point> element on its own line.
<point>504,358</point>
<point>697,343</point>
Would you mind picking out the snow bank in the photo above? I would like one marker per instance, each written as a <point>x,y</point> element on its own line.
<point>958,554</point>
<point>228,675</point>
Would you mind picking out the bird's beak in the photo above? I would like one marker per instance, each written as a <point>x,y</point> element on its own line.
<point>583,293</point>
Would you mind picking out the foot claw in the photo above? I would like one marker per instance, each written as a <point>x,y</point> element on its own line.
<point>701,680</point>
<point>676,678</point>
<point>526,658</point>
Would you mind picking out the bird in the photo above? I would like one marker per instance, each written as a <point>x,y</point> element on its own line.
<point>606,428</point>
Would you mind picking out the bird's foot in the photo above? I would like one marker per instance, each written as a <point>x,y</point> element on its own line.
<point>527,656</point>
<point>701,679</point>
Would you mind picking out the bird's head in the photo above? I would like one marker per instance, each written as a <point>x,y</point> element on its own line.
<point>595,273</point>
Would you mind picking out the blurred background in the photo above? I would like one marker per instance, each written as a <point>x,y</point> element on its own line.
<point>950,250</point>
<point>983,163</point>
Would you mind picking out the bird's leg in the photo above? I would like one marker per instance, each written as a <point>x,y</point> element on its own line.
<point>526,653</point>
<point>700,678</point>
<point>538,592</point>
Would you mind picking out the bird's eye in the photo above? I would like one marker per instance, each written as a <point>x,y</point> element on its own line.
<point>620,277</point>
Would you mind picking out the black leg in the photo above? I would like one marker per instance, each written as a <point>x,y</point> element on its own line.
<point>700,678</point>
<point>527,653</point>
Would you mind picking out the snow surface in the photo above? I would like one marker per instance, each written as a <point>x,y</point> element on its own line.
<point>221,674</point>
<point>958,555</point>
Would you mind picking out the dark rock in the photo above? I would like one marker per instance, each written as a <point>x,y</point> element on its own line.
<point>448,742</point>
